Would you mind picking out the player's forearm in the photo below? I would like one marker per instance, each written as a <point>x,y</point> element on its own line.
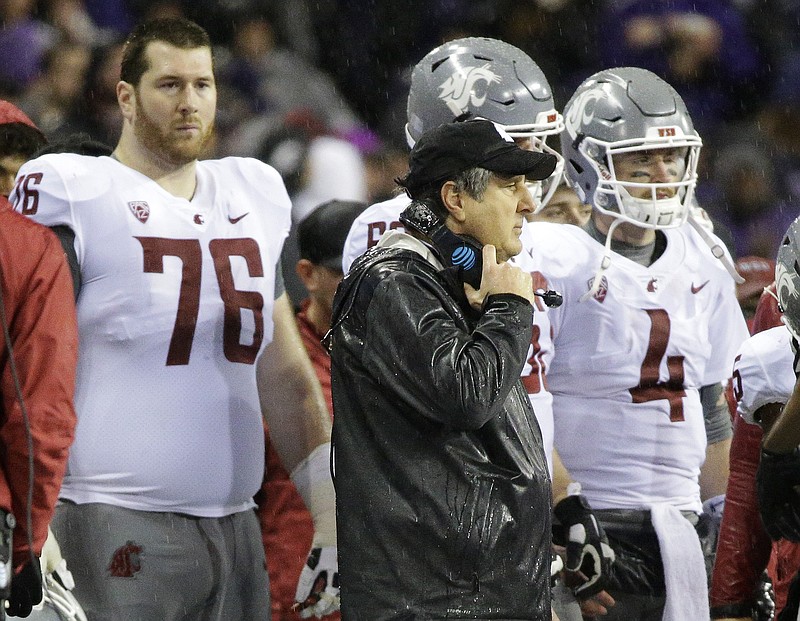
<point>291,398</point>
<point>714,473</point>
<point>785,433</point>
<point>561,479</point>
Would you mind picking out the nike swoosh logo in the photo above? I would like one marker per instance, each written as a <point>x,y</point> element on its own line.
<point>235,220</point>
<point>696,289</point>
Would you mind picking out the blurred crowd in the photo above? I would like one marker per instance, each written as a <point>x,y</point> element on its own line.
<point>317,88</point>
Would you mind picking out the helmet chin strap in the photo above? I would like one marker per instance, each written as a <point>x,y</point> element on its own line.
<point>605,263</point>
<point>716,249</point>
<point>548,186</point>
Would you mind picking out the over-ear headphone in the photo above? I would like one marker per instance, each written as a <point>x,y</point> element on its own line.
<point>454,250</point>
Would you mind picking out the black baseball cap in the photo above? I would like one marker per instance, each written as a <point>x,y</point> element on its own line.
<point>448,150</point>
<point>322,233</point>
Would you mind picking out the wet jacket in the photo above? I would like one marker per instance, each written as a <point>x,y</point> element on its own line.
<point>442,491</point>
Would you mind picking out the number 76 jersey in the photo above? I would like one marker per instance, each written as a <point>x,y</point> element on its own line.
<point>628,362</point>
<point>174,309</point>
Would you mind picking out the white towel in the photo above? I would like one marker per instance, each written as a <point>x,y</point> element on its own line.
<point>684,567</point>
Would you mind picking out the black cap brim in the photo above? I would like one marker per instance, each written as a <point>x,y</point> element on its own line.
<point>514,161</point>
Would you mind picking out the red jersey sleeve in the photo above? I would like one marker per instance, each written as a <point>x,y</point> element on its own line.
<point>39,306</point>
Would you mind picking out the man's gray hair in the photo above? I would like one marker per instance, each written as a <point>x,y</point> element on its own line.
<point>474,182</point>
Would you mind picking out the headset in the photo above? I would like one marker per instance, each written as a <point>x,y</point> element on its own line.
<point>454,250</point>
<point>462,253</point>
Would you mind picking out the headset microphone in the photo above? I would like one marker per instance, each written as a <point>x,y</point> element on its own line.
<point>552,299</point>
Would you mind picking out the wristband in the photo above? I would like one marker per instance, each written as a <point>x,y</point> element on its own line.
<point>312,478</point>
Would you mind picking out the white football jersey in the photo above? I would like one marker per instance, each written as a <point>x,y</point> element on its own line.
<point>540,353</point>
<point>175,307</point>
<point>763,371</point>
<point>629,363</point>
<point>368,227</point>
<point>365,232</point>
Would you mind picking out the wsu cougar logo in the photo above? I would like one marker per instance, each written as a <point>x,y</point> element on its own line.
<point>581,112</point>
<point>126,560</point>
<point>784,283</point>
<point>457,91</point>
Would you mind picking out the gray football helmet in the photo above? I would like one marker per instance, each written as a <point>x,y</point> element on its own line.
<point>478,77</point>
<point>618,111</point>
<point>787,278</point>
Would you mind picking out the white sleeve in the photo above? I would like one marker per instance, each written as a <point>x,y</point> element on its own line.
<point>41,193</point>
<point>762,372</point>
<point>355,245</point>
<point>727,332</point>
<point>368,228</point>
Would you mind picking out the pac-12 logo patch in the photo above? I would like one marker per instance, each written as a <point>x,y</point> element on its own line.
<point>459,89</point>
<point>140,209</point>
<point>602,290</point>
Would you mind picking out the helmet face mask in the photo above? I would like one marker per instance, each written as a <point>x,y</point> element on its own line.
<point>477,77</point>
<point>787,278</point>
<point>628,110</point>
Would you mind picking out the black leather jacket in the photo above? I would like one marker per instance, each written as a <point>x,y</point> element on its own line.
<point>442,491</point>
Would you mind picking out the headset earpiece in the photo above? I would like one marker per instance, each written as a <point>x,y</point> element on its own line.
<point>453,250</point>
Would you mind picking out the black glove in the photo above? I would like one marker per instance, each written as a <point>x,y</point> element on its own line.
<point>26,590</point>
<point>796,352</point>
<point>589,557</point>
<point>778,501</point>
<point>792,606</point>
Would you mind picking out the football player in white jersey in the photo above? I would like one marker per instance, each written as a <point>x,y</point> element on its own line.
<point>778,474</point>
<point>186,338</point>
<point>644,340</point>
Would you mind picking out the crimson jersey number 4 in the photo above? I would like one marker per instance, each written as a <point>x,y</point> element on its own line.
<point>234,300</point>
<point>650,388</point>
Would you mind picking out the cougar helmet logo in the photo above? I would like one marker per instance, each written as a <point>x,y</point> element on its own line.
<point>785,285</point>
<point>581,113</point>
<point>787,278</point>
<point>126,561</point>
<point>459,89</point>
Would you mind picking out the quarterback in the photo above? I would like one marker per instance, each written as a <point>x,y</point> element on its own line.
<point>644,339</point>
